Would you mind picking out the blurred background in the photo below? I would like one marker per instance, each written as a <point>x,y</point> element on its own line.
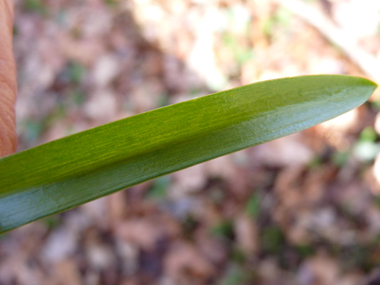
<point>304,209</point>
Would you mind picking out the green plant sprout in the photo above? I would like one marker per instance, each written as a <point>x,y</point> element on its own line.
<point>68,172</point>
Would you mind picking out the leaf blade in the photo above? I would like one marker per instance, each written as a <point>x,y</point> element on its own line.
<point>71,171</point>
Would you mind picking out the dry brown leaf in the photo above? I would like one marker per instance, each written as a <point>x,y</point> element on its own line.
<point>183,259</point>
<point>67,273</point>
<point>146,232</point>
<point>287,151</point>
<point>247,234</point>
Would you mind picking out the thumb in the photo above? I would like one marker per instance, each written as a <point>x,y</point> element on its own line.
<point>8,85</point>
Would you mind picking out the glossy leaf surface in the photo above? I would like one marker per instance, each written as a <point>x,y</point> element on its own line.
<point>71,171</point>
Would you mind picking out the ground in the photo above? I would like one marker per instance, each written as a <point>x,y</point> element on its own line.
<point>304,209</point>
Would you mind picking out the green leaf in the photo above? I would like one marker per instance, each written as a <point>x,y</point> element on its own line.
<point>368,135</point>
<point>65,173</point>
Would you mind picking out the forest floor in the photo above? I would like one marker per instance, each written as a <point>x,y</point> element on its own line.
<point>304,209</point>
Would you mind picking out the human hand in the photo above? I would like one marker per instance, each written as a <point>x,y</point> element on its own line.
<point>8,83</point>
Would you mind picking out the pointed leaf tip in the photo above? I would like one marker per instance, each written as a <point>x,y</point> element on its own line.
<point>65,173</point>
